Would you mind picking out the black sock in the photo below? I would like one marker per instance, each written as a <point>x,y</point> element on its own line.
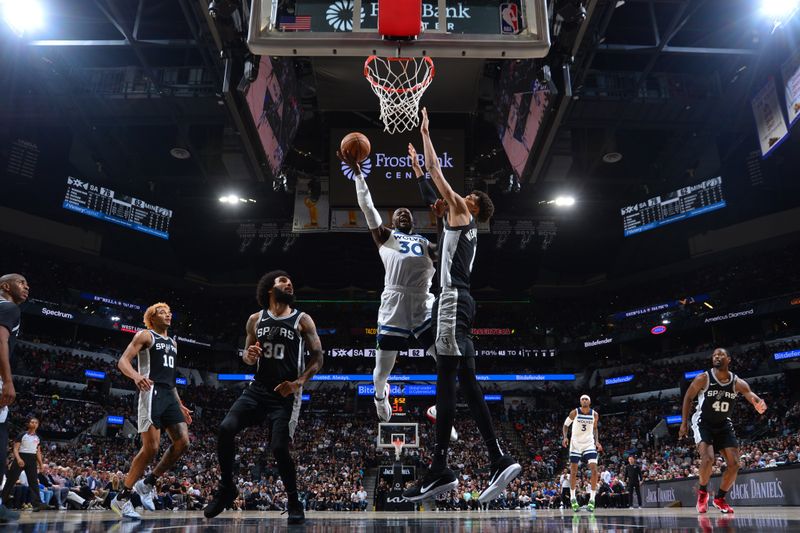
<point>721,493</point>
<point>704,488</point>
<point>446,370</point>
<point>477,405</point>
<point>150,480</point>
<point>124,494</point>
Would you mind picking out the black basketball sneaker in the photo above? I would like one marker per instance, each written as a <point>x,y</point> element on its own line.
<point>222,499</point>
<point>504,470</point>
<point>296,513</point>
<point>432,485</point>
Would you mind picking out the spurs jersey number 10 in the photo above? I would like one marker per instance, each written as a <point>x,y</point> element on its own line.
<point>583,429</point>
<point>407,261</point>
<point>282,348</point>
<point>158,361</point>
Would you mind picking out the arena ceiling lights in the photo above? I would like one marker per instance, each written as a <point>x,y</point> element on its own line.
<point>779,11</point>
<point>22,16</point>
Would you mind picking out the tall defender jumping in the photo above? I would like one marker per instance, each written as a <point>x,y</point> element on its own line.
<point>716,390</point>
<point>453,314</point>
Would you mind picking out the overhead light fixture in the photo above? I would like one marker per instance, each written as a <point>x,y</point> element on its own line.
<point>564,201</point>
<point>708,305</point>
<point>612,157</point>
<point>779,11</point>
<point>22,16</point>
<point>180,153</point>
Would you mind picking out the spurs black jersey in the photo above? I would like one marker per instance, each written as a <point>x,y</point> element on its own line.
<point>158,361</point>
<point>9,318</point>
<point>282,348</point>
<point>458,248</point>
<point>715,402</point>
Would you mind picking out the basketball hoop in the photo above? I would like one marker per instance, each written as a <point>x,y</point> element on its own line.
<point>398,448</point>
<point>399,83</point>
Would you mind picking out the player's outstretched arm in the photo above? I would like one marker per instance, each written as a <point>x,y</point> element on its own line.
<point>309,332</point>
<point>458,211</point>
<point>743,388</point>
<point>140,341</point>
<point>252,348</point>
<point>698,383</point>
<point>380,233</point>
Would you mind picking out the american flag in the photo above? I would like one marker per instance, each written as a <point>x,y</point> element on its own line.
<point>295,23</point>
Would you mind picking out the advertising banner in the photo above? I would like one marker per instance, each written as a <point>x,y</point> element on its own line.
<point>769,486</point>
<point>311,206</point>
<point>769,118</point>
<point>791,86</point>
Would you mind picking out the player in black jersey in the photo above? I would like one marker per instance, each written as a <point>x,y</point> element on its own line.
<point>716,390</point>
<point>277,338</point>
<point>13,291</point>
<point>453,313</point>
<point>160,407</point>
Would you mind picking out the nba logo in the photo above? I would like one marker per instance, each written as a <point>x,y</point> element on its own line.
<point>509,19</point>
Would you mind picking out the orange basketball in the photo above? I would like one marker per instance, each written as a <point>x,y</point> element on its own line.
<point>355,146</point>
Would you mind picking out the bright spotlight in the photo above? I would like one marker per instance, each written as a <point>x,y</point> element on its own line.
<point>565,201</point>
<point>779,9</point>
<point>231,199</point>
<point>22,16</point>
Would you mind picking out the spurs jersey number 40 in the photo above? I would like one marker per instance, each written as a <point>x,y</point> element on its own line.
<point>583,430</point>
<point>282,348</point>
<point>715,402</point>
<point>407,261</point>
<point>158,361</point>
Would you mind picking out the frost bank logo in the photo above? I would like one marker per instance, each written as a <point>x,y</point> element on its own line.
<point>340,15</point>
<point>366,168</point>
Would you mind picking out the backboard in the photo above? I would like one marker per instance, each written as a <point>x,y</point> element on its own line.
<point>390,431</point>
<point>515,29</point>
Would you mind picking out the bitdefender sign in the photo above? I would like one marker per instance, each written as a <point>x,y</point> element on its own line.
<point>388,170</point>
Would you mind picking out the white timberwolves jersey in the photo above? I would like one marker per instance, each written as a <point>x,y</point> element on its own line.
<point>583,431</point>
<point>407,261</point>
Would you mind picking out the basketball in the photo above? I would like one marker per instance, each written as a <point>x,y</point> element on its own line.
<point>355,146</point>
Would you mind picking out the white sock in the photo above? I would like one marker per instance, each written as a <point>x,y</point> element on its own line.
<point>591,494</point>
<point>384,363</point>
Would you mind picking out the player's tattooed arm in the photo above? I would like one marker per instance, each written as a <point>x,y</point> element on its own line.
<point>567,424</point>
<point>309,332</point>
<point>252,348</point>
<point>743,388</point>
<point>140,341</point>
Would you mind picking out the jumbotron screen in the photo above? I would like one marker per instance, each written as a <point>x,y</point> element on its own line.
<point>677,205</point>
<point>99,202</point>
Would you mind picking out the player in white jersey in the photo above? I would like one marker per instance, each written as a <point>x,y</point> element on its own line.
<point>583,445</point>
<point>406,301</point>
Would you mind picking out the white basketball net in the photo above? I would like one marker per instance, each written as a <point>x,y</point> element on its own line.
<point>399,83</point>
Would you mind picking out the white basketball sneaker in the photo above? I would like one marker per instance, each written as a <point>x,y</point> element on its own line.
<point>431,414</point>
<point>124,508</point>
<point>145,493</point>
<point>383,407</point>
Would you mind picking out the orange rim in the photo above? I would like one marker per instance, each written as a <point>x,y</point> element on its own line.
<point>421,85</point>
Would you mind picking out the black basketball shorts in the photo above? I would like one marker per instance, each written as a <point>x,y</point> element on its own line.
<point>159,407</point>
<point>719,437</point>
<point>452,317</point>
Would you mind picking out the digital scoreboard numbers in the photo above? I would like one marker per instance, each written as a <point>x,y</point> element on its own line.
<point>678,205</point>
<point>106,204</point>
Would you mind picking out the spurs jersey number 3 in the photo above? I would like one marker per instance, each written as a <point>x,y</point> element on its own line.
<point>158,361</point>
<point>282,348</point>
<point>715,403</point>
<point>407,261</point>
<point>583,429</point>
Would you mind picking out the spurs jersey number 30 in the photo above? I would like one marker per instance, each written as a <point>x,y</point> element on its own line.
<point>583,429</point>
<point>158,361</point>
<point>407,261</point>
<point>715,403</point>
<point>282,348</point>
